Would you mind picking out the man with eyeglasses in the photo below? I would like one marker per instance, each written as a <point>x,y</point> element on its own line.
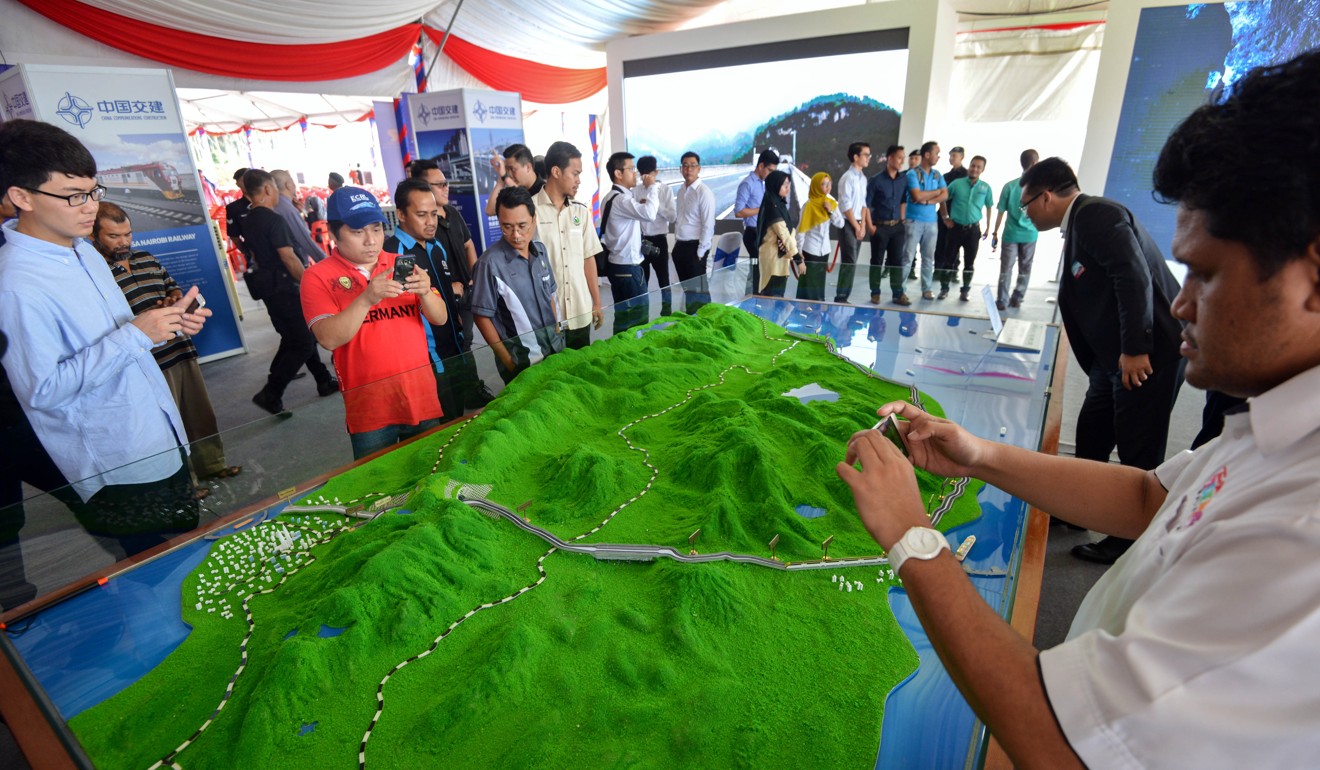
<point>694,229</point>
<point>1115,299</point>
<point>79,361</point>
<point>513,289</point>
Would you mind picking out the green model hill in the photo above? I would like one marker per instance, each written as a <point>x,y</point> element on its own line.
<point>636,664</point>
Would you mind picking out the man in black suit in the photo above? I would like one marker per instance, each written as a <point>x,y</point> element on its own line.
<point>1114,298</point>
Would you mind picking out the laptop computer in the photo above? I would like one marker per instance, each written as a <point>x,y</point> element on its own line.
<point>1014,334</point>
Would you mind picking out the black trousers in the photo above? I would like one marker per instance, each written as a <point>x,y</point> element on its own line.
<point>849,247</point>
<point>964,238</point>
<point>691,270</point>
<point>660,264</point>
<point>753,254</point>
<point>812,283</point>
<point>140,516</point>
<point>887,257</point>
<point>22,460</point>
<point>297,344</point>
<point>1135,421</point>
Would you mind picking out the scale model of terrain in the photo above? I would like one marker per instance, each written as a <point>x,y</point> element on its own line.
<point>528,588</point>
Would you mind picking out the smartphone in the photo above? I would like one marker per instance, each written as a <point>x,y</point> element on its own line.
<point>198,303</point>
<point>888,428</point>
<point>403,267</point>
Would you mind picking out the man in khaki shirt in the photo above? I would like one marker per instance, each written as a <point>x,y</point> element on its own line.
<point>565,227</point>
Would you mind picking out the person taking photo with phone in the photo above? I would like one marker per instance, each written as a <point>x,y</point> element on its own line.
<point>368,307</point>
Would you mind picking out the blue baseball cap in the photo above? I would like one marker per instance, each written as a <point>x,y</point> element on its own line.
<point>353,206</point>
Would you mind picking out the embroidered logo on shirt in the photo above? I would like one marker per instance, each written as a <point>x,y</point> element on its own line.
<point>1077,269</point>
<point>345,281</point>
<point>1208,491</point>
<point>577,220</point>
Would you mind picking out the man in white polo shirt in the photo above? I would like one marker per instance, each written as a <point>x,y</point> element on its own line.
<point>1199,647</point>
<point>564,226</point>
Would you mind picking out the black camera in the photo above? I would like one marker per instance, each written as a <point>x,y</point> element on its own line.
<point>650,250</point>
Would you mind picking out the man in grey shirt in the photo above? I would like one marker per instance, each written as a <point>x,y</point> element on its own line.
<point>303,245</point>
<point>513,290</point>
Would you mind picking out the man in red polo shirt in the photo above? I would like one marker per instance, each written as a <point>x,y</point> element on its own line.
<point>374,327</point>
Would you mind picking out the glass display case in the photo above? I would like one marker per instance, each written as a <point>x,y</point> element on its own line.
<point>85,619</point>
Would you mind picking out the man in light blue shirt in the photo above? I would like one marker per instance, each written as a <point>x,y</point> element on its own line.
<point>80,363</point>
<point>747,204</point>
<point>926,190</point>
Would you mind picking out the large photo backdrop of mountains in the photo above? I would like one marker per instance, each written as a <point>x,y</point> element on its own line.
<point>810,108</point>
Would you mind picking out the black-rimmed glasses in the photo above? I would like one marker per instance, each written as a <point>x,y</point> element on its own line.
<point>75,199</point>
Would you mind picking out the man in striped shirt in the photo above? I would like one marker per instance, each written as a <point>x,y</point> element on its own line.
<point>147,285</point>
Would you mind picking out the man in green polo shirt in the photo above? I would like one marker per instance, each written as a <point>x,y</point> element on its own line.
<point>961,217</point>
<point>1019,238</point>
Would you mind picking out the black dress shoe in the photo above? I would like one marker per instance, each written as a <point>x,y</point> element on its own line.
<point>328,387</point>
<point>268,401</point>
<point>1106,551</point>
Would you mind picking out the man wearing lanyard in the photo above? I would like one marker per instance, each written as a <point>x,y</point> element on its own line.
<point>415,237</point>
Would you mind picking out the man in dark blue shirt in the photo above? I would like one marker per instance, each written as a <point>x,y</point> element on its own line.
<point>885,209</point>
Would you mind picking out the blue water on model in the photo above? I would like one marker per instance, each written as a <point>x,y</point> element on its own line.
<point>329,632</point>
<point>809,511</point>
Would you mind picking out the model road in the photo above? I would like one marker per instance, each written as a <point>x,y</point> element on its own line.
<point>615,552</point>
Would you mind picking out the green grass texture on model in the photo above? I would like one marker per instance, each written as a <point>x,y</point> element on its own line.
<point>635,664</point>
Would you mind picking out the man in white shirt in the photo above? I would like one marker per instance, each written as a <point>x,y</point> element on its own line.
<point>656,232</point>
<point>1198,647</point>
<point>622,215</point>
<point>695,229</point>
<point>852,204</point>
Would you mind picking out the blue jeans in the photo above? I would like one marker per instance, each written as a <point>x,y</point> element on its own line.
<point>375,440</point>
<point>923,234</point>
<point>628,289</point>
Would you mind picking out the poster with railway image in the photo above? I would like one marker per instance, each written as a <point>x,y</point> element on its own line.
<point>486,144</point>
<point>129,120</point>
<point>807,100</point>
<point>1185,56</point>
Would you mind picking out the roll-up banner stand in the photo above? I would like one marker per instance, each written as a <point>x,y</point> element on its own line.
<point>129,120</point>
<point>461,130</point>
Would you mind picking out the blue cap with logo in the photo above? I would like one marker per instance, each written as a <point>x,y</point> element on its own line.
<point>353,206</point>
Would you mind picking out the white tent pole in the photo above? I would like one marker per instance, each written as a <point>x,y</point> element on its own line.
<point>426,77</point>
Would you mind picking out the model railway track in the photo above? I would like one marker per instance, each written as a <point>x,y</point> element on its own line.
<point>600,551</point>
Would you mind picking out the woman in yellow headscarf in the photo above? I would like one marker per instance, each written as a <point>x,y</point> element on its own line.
<point>820,211</point>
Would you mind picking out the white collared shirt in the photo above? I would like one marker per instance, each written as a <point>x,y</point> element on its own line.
<point>816,241</point>
<point>852,192</point>
<point>1200,647</point>
<point>1063,225</point>
<point>664,208</point>
<point>696,215</point>
<point>623,229</point>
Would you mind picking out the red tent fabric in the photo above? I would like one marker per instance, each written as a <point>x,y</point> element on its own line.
<point>316,61</point>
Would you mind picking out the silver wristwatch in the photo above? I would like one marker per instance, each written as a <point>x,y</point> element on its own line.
<point>917,543</point>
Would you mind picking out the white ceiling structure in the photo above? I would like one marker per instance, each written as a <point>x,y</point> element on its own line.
<point>562,33</point>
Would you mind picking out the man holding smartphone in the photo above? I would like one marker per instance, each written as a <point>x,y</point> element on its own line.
<point>373,324</point>
<point>147,285</point>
